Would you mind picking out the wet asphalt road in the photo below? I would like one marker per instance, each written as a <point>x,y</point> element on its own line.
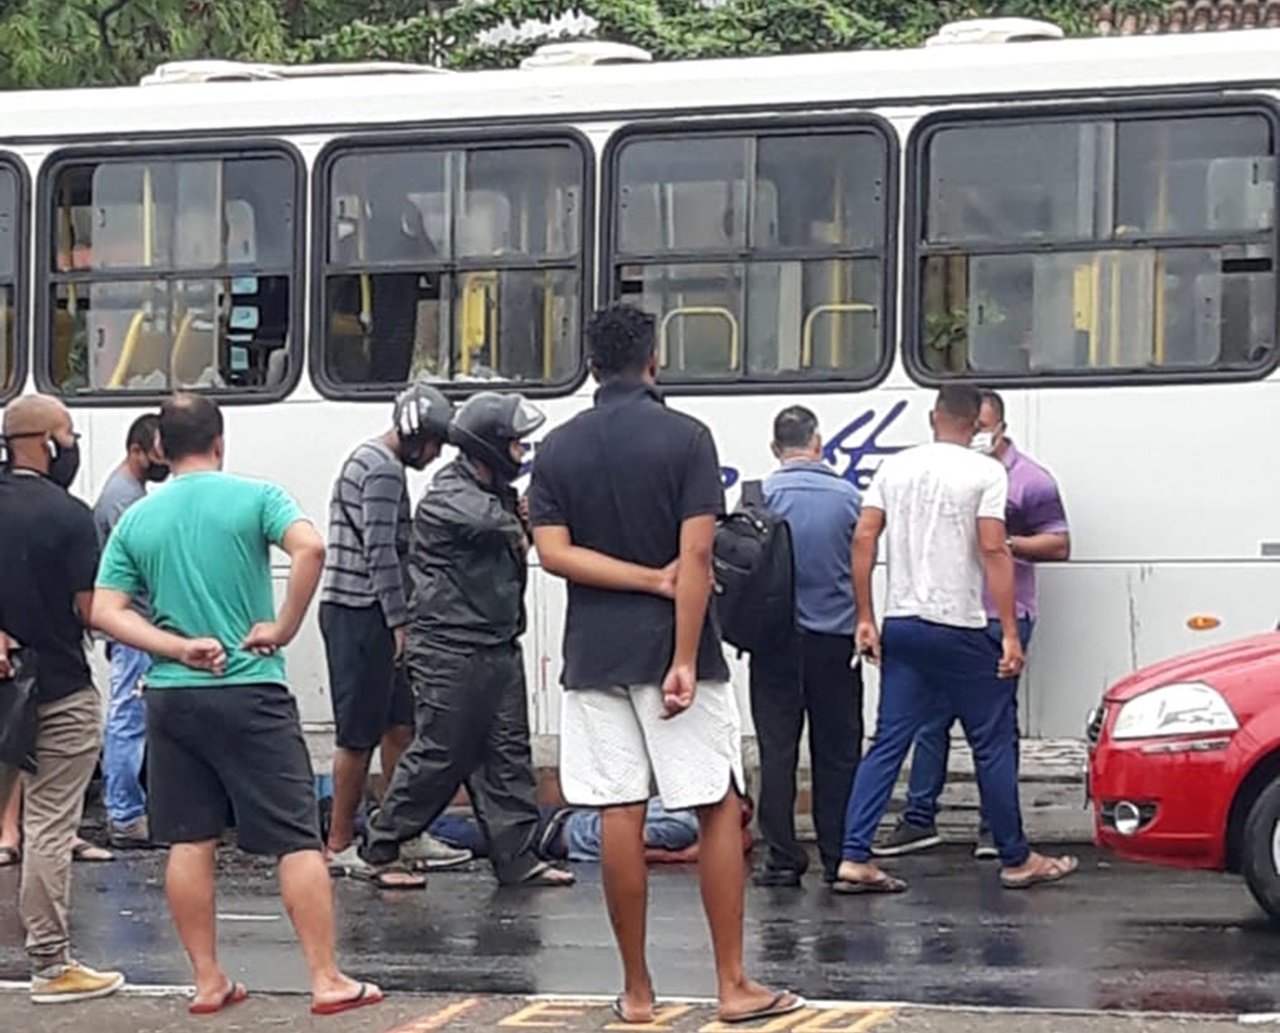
<point>1116,937</point>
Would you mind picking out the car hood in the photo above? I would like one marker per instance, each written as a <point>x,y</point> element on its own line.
<point>1213,665</point>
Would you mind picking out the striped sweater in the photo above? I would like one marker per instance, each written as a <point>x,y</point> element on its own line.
<point>369,526</point>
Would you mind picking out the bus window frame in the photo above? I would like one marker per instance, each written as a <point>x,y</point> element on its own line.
<point>11,161</point>
<point>445,140</point>
<point>763,125</point>
<point>46,277</point>
<point>1144,107</point>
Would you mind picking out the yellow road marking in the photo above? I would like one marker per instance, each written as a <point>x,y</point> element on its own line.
<point>531,1017</point>
<point>438,1019</point>
<point>661,1018</point>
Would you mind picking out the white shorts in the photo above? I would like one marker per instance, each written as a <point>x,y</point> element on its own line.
<point>615,747</point>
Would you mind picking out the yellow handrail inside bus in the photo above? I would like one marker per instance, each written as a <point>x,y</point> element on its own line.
<point>478,292</point>
<point>806,335</point>
<point>132,346</point>
<point>700,310</point>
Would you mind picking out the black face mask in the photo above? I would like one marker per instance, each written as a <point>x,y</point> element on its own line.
<point>505,467</point>
<point>64,463</point>
<point>417,457</point>
<point>156,472</point>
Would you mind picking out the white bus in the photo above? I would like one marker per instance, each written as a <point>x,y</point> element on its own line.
<point>1088,226</point>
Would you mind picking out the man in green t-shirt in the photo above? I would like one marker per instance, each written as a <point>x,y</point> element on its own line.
<point>223,734</point>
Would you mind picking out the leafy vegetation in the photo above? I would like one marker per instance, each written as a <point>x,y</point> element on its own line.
<point>52,43</point>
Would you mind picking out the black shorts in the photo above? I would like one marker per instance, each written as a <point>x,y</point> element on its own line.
<point>233,752</point>
<point>369,689</point>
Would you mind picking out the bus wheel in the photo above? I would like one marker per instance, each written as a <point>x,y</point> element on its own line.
<point>1260,852</point>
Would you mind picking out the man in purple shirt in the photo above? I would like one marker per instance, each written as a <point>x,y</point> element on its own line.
<point>1036,523</point>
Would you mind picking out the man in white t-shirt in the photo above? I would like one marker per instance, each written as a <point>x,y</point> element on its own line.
<point>942,506</point>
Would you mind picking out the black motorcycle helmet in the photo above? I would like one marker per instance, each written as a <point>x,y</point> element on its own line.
<point>421,416</point>
<point>485,425</point>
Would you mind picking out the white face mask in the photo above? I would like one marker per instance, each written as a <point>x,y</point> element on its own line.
<point>984,441</point>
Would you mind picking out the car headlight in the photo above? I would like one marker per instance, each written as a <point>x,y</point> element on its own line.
<point>1185,708</point>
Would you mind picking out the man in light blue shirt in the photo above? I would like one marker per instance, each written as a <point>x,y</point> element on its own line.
<point>816,675</point>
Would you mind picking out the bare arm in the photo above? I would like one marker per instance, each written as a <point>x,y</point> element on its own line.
<point>112,614</point>
<point>84,604</point>
<point>997,563</point>
<point>7,644</point>
<point>694,579</point>
<point>866,538</point>
<point>561,557</point>
<point>305,548</point>
<point>1041,548</point>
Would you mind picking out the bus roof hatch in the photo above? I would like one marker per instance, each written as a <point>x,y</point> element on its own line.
<point>244,71</point>
<point>995,30</point>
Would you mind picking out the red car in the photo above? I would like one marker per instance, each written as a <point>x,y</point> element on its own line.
<point>1184,764</point>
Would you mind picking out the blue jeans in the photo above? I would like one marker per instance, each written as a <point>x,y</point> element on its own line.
<point>125,735</point>
<point>930,672</point>
<point>933,747</point>
<point>663,830</point>
<point>581,832</point>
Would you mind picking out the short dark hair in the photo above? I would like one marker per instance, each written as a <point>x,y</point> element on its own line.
<point>620,339</point>
<point>963,401</point>
<point>794,427</point>
<point>994,400</point>
<point>142,432</point>
<point>189,425</point>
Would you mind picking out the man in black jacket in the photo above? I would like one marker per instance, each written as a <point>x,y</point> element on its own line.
<point>468,566</point>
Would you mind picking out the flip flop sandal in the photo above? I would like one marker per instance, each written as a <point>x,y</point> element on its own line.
<point>542,877</point>
<point>9,856</point>
<point>377,875</point>
<point>1054,871</point>
<point>236,993</point>
<point>88,853</point>
<point>385,877</point>
<point>885,884</point>
<point>620,1012</point>
<point>369,994</point>
<point>772,1010</point>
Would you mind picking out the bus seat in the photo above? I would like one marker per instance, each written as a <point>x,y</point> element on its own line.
<point>194,351</point>
<point>145,352</point>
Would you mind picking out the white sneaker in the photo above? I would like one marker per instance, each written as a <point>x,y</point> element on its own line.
<point>433,855</point>
<point>63,984</point>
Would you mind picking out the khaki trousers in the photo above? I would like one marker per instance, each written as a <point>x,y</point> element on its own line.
<point>53,803</point>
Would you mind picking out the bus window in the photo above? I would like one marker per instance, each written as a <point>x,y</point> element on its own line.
<point>761,254</point>
<point>172,271</point>
<point>1140,243</point>
<point>9,373</point>
<point>453,263</point>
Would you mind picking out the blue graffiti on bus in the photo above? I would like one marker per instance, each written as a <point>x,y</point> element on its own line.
<point>849,449</point>
<point>855,450</point>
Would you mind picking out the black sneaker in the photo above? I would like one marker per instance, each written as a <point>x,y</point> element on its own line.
<point>787,878</point>
<point>985,848</point>
<point>906,839</point>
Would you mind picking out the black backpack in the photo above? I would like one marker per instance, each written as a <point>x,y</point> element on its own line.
<point>754,576</point>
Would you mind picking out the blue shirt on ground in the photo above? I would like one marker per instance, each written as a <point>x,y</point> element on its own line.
<point>821,509</point>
